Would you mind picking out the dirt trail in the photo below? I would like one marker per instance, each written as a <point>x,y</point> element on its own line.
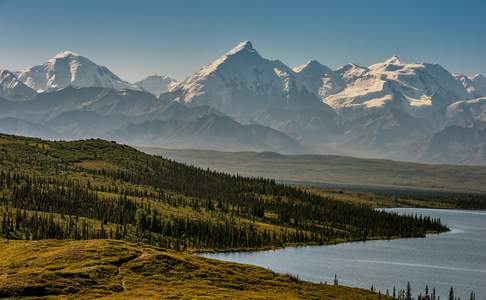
<point>141,256</point>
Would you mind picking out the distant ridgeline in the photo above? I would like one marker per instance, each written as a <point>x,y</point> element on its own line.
<point>97,189</point>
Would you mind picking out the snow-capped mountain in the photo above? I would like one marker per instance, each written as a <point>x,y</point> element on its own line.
<point>411,87</point>
<point>467,113</point>
<point>351,72</point>
<point>318,79</point>
<point>13,89</point>
<point>480,83</point>
<point>156,84</point>
<point>71,69</point>
<point>242,82</point>
<point>474,85</point>
<point>389,109</point>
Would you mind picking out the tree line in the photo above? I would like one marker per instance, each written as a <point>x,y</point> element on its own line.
<point>407,294</point>
<point>75,210</point>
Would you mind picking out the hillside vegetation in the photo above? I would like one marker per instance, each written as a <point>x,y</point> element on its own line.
<point>95,189</point>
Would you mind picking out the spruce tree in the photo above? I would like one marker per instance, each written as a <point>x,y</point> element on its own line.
<point>472,296</point>
<point>408,295</point>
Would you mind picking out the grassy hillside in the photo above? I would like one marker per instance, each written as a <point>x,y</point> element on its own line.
<point>335,169</point>
<point>98,189</point>
<point>120,270</point>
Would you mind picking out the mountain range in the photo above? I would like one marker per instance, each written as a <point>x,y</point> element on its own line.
<point>243,101</point>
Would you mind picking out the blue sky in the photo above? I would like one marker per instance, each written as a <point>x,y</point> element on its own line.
<point>138,38</point>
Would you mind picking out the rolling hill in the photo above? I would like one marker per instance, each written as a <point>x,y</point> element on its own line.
<point>112,269</point>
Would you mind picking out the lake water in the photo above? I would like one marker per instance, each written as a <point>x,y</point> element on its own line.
<point>456,258</point>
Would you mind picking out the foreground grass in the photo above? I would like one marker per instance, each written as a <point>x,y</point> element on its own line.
<point>112,269</point>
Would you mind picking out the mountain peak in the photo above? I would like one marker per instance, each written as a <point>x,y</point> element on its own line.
<point>67,68</point>
<point>350,67</point>
<point>478,77</point>
<point>5,74</point>
<point>157,77</point>
<point>243,46</point>
<point>13,89</point>
<point>66,53</point>
<point>156,84</point>
<point>313,62</point>
<point>394,60</point>
<point>310,65</point>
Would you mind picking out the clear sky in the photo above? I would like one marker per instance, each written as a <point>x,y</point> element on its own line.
<point>138,38</point>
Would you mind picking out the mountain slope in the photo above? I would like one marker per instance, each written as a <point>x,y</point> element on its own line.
<point>156,84</point>
<point>468,113</point>
<point>382,133</point>
<point>71,69</point>
<point>314,128</point>
<point>136,118</point>
<point>472,88</point>
<point>207,132</point>
<point>318,79</point>
<point>13,89</point>
<point>464,145</point>
<point>480,84</point>
<point>16,126</point>
<point>103,101</point>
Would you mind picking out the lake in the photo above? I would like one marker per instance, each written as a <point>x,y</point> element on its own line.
<point>456,258</point>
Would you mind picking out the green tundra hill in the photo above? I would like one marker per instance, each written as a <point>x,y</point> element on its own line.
<point>93,218</point>
<point>111,269</point>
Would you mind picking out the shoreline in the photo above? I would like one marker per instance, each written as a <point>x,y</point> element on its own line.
<point>358,255</point>
<point>314,244</point>
<point>303,245</point>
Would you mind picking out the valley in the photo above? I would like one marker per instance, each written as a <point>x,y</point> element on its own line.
<point>338,172</point>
